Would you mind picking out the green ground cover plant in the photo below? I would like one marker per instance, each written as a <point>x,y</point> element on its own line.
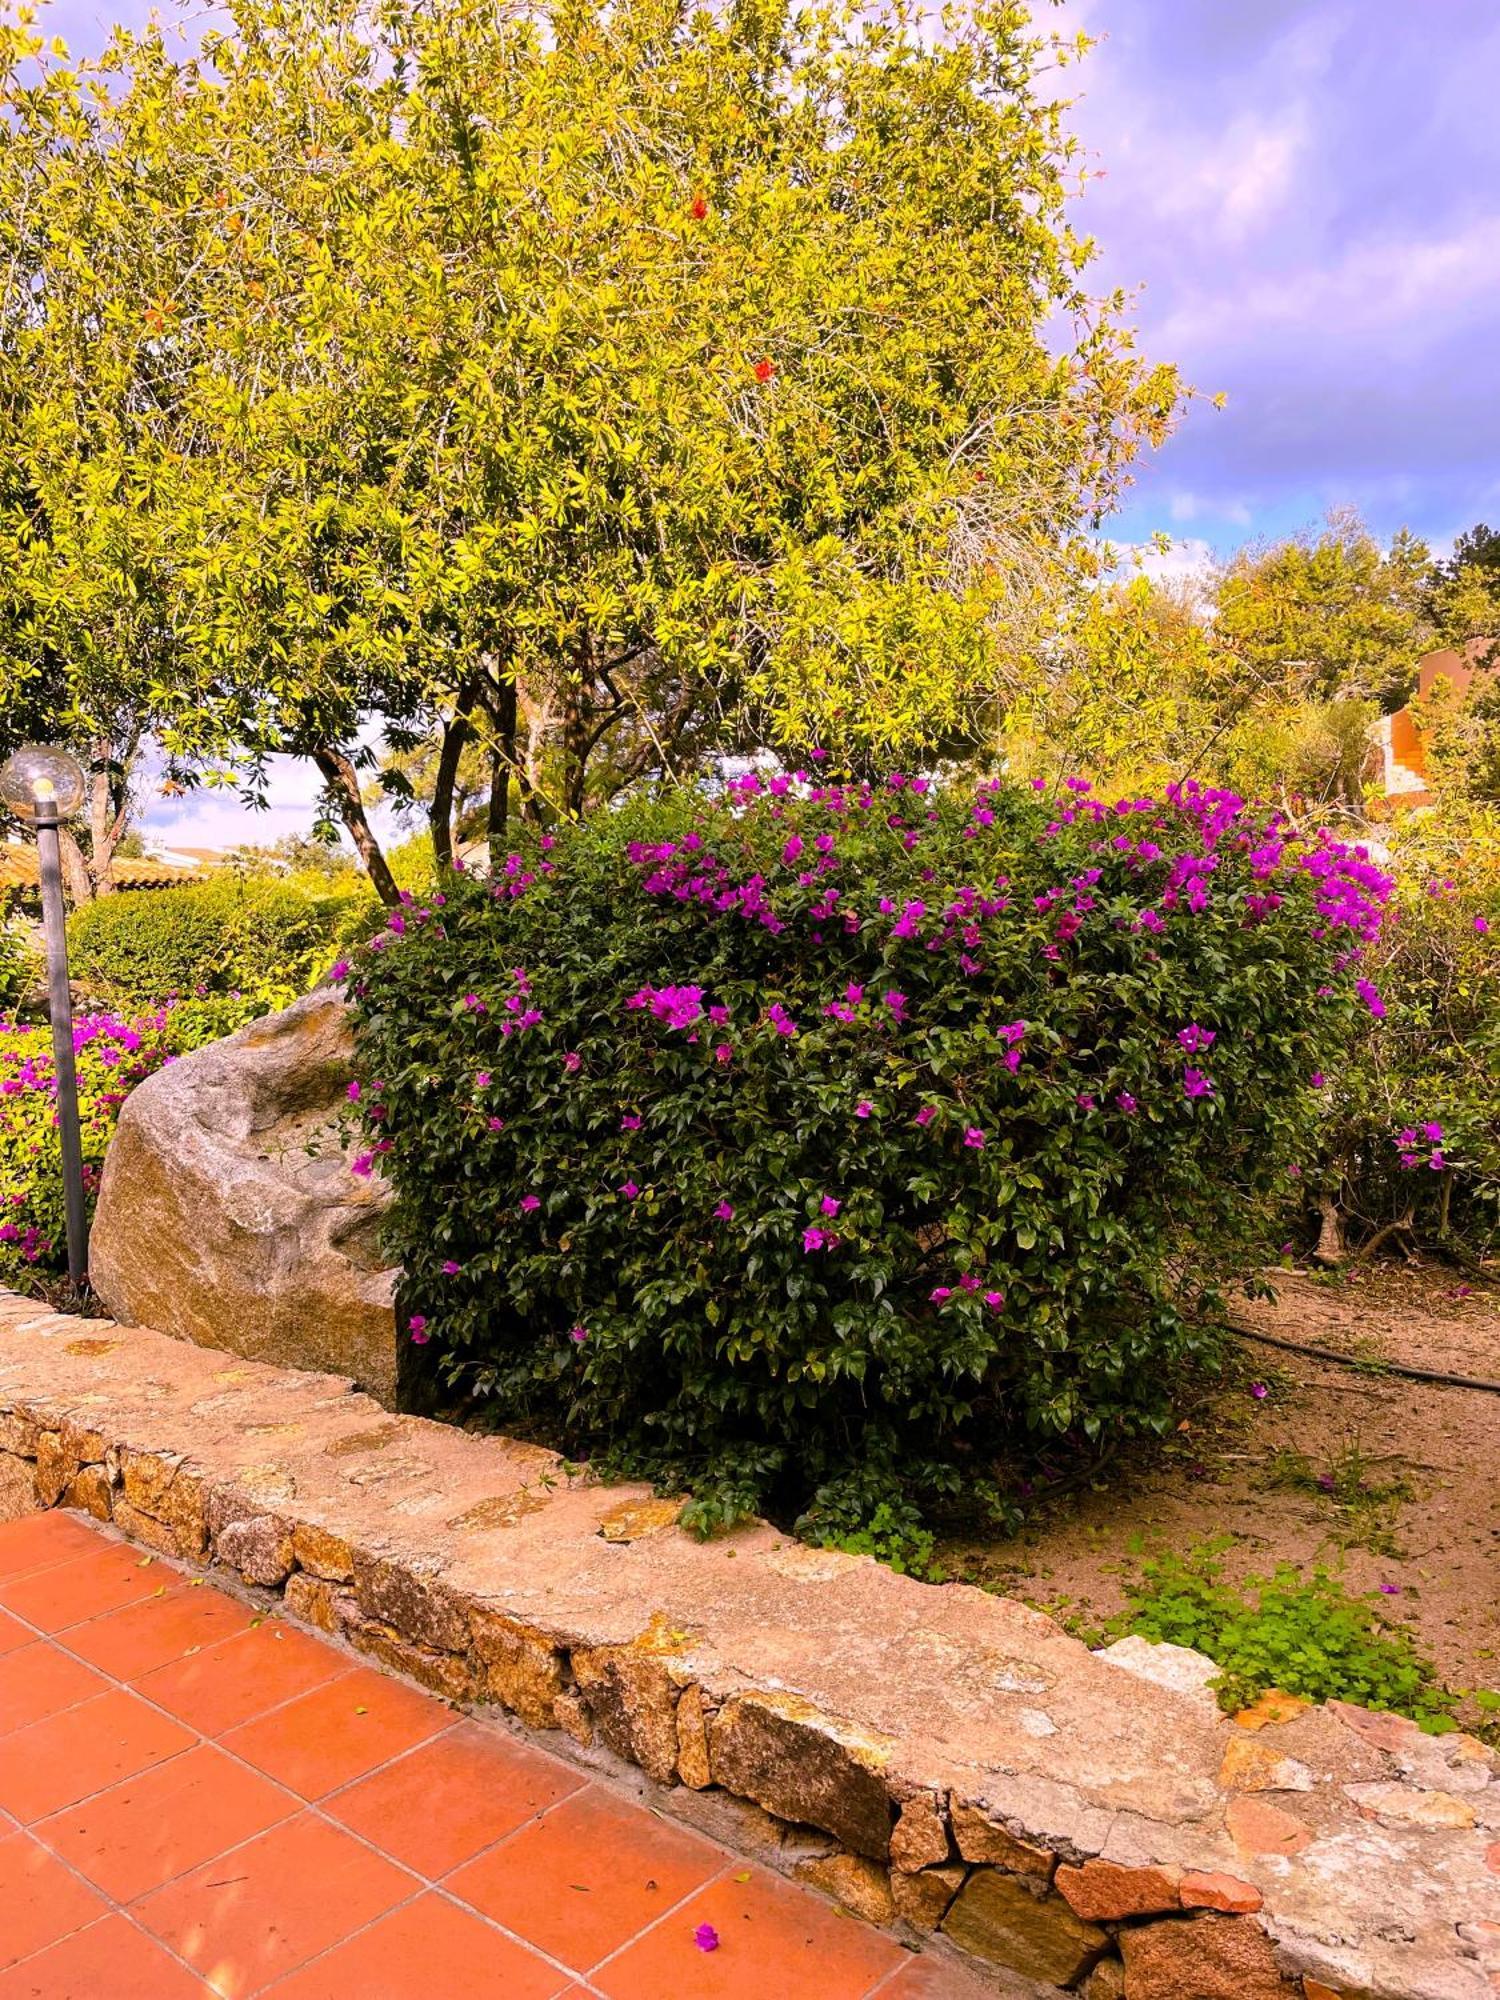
<point>802,1143</point>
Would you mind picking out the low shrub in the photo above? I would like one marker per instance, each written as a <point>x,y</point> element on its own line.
<point>112,1055</point>
<point>20,965</point>
<point>267,937</point>
<point>1410,1128</point>
<point>1307,1636</point>
<point>800,1145</point>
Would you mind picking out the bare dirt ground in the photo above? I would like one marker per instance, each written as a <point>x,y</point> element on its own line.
<point>1379,1479</point>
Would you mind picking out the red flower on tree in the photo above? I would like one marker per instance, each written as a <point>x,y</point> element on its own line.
<point>764,370</point>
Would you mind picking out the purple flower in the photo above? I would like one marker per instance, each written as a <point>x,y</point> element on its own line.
<point>780,1019</point>
<point>1325,1481</point>
<point>1481,925</point>
<point>1317,1079</point>
<point>629,1190</point>
<point>396,922</point>
<point>974,1138</point>
<point>829,1206</point>
<point>495,1124</point>
<point>706,1938</point>
<point>814,1238</point>
<point>451,1269</point>
<point>1259,1391</point>
<point>482,1079</point>
<point>723,1052</point>
<point>864,1108</point>
<point>994,1300</point>
<point>1196,1084</point>
<point>1432,1132</point>
<point>724,1212</point>
<point>896,1001</point>
<point>530,1203</point>
<point>572,1062</point>
<point>1390,1589</point>
<point>474,1004</point>
<point>1084,1101</point>
<point>630,1122</point>
<point>340,971</point>
<point>940,1294</point>
<point>353,1093</point>
<point>1195,1039</point>
<point>1126,1103</point>
<point>1371,998</point>
<point>926,1115</point>
<point>792,849</point>
<point>416,1326</point>
<point>578,1335</point>
<point>364,1166</point>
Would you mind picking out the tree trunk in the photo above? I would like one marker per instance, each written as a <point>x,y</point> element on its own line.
<point>575,730</point>
<point>456,734</point>
<point>1332,1249</point>
<point>75,870</point>
<point>342,781</point>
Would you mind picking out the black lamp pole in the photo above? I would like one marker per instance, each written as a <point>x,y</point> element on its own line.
<point>60,1005</point>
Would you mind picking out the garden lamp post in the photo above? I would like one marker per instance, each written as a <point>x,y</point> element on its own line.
<point>44,786</point>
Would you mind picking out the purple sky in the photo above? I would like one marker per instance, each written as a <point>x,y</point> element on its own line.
<point>1308,193</point>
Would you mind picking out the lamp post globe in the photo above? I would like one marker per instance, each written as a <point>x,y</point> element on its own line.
<point>43,786</point>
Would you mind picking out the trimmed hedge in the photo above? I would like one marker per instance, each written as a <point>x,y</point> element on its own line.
<point>810,1144</point>
<point>264,936</point>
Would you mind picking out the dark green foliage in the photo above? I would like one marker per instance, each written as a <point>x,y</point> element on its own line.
<point>1015,1212</point>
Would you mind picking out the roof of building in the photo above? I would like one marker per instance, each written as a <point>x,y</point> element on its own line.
<point>18,870</point>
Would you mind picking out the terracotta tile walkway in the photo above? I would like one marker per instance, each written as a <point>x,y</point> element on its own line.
<point>196,1800</point>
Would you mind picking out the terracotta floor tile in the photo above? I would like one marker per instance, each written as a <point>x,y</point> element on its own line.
<point>338,1732</point>
<point>261,1912</point>
<point>37,1540</point>
<point>141,1637</point>
<point>427,1949</point>
<point>939,1979</point>
<point>227,1683</point>
<point>58,1597</point>
<point>81,1751</point>
<point>587,1877</point>
<point>762,1923</point>
<point>174,1817</point>
<point>39,1680</point>
<point>441,1804</point>
<point>13,1633</point>
<point>109,1961</point>
<point>40,1900</point>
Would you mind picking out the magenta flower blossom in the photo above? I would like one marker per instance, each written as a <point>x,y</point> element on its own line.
<point>495,1124</point>
<point>724,1212</point>
<point>530,1203</point>
<point>723,1052</point>
<point>940,1294</point>
<point>706,1938</point>
<point>814,1238</point>
<point>451,1267</point>
<point>829,1206</point>
<point>364,1166</point>
<point>994,1300</point>
<point>474,1004</point>
<point>1126,1103</point>
<point>1390,1589</point>
<point>572,1062</point>
<point>1317,1080</point>
<point>482,1079</point>
<point>396,922</point>
<point>630,1122</point>
<point>1481,925</point>
<point>1433,1132</point>
<point>578,1335</point>
<point>629,1190</point>
<point>353,1092</point>
<point>1084,1101</point>
<point>340,969</point>
<point>974,1138</point>
<point>896,1001</point>
<point>1196,1084</point>
<point>780,1019</point>
<point>1259,1391</point>
<point>926,1115</point>
<point>793,849</point>
<point>1195,1039</point>
<point>1371,997</point>
<point>416,1326</point>
<point>864,1108</point>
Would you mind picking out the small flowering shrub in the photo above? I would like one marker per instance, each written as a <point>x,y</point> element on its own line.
<point>1410,1125</point>
<point>808,1144</point>
<point>112,1056</point>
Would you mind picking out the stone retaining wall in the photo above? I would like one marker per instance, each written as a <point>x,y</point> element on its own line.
<point>935,1758</point>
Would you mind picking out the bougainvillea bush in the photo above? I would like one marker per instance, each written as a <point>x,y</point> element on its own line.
<point>810,1143</point>
<point>112,1055</point>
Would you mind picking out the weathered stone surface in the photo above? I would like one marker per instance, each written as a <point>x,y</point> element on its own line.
<point>692,1740</point>
<point>860,1885</point>
<point>922,1900</point>
<point>17,1486</point>
<point>781,1752</point>
<point>155,1534</point>
<point>1103,1890</point>
<point>325,1554</point>
<point>1106,1981</point>
<point>636,1519</point>
<point>633,1702</point>
<point>1256,1828</point>
<point>260,1548</point>
<point>1251,1765</point>
<point>1207,1957</point>
<point>919,1838</point>
<point>1415,1808</point>
<point>228,1215</point>
<point>447,1674</point>
<point>1271,1708</point>
<point>415,1606</point>
<point>165,1490</point>
<point>54,1468</point>
<point>981,1838</point>
<point>571,1715</point>
<point>313,1601</point>
<point>998,1918</point>
<point>524,1671</point>
<point>1213,1891</point>
<point>89,1492</point>
<point>1165,1665</point>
